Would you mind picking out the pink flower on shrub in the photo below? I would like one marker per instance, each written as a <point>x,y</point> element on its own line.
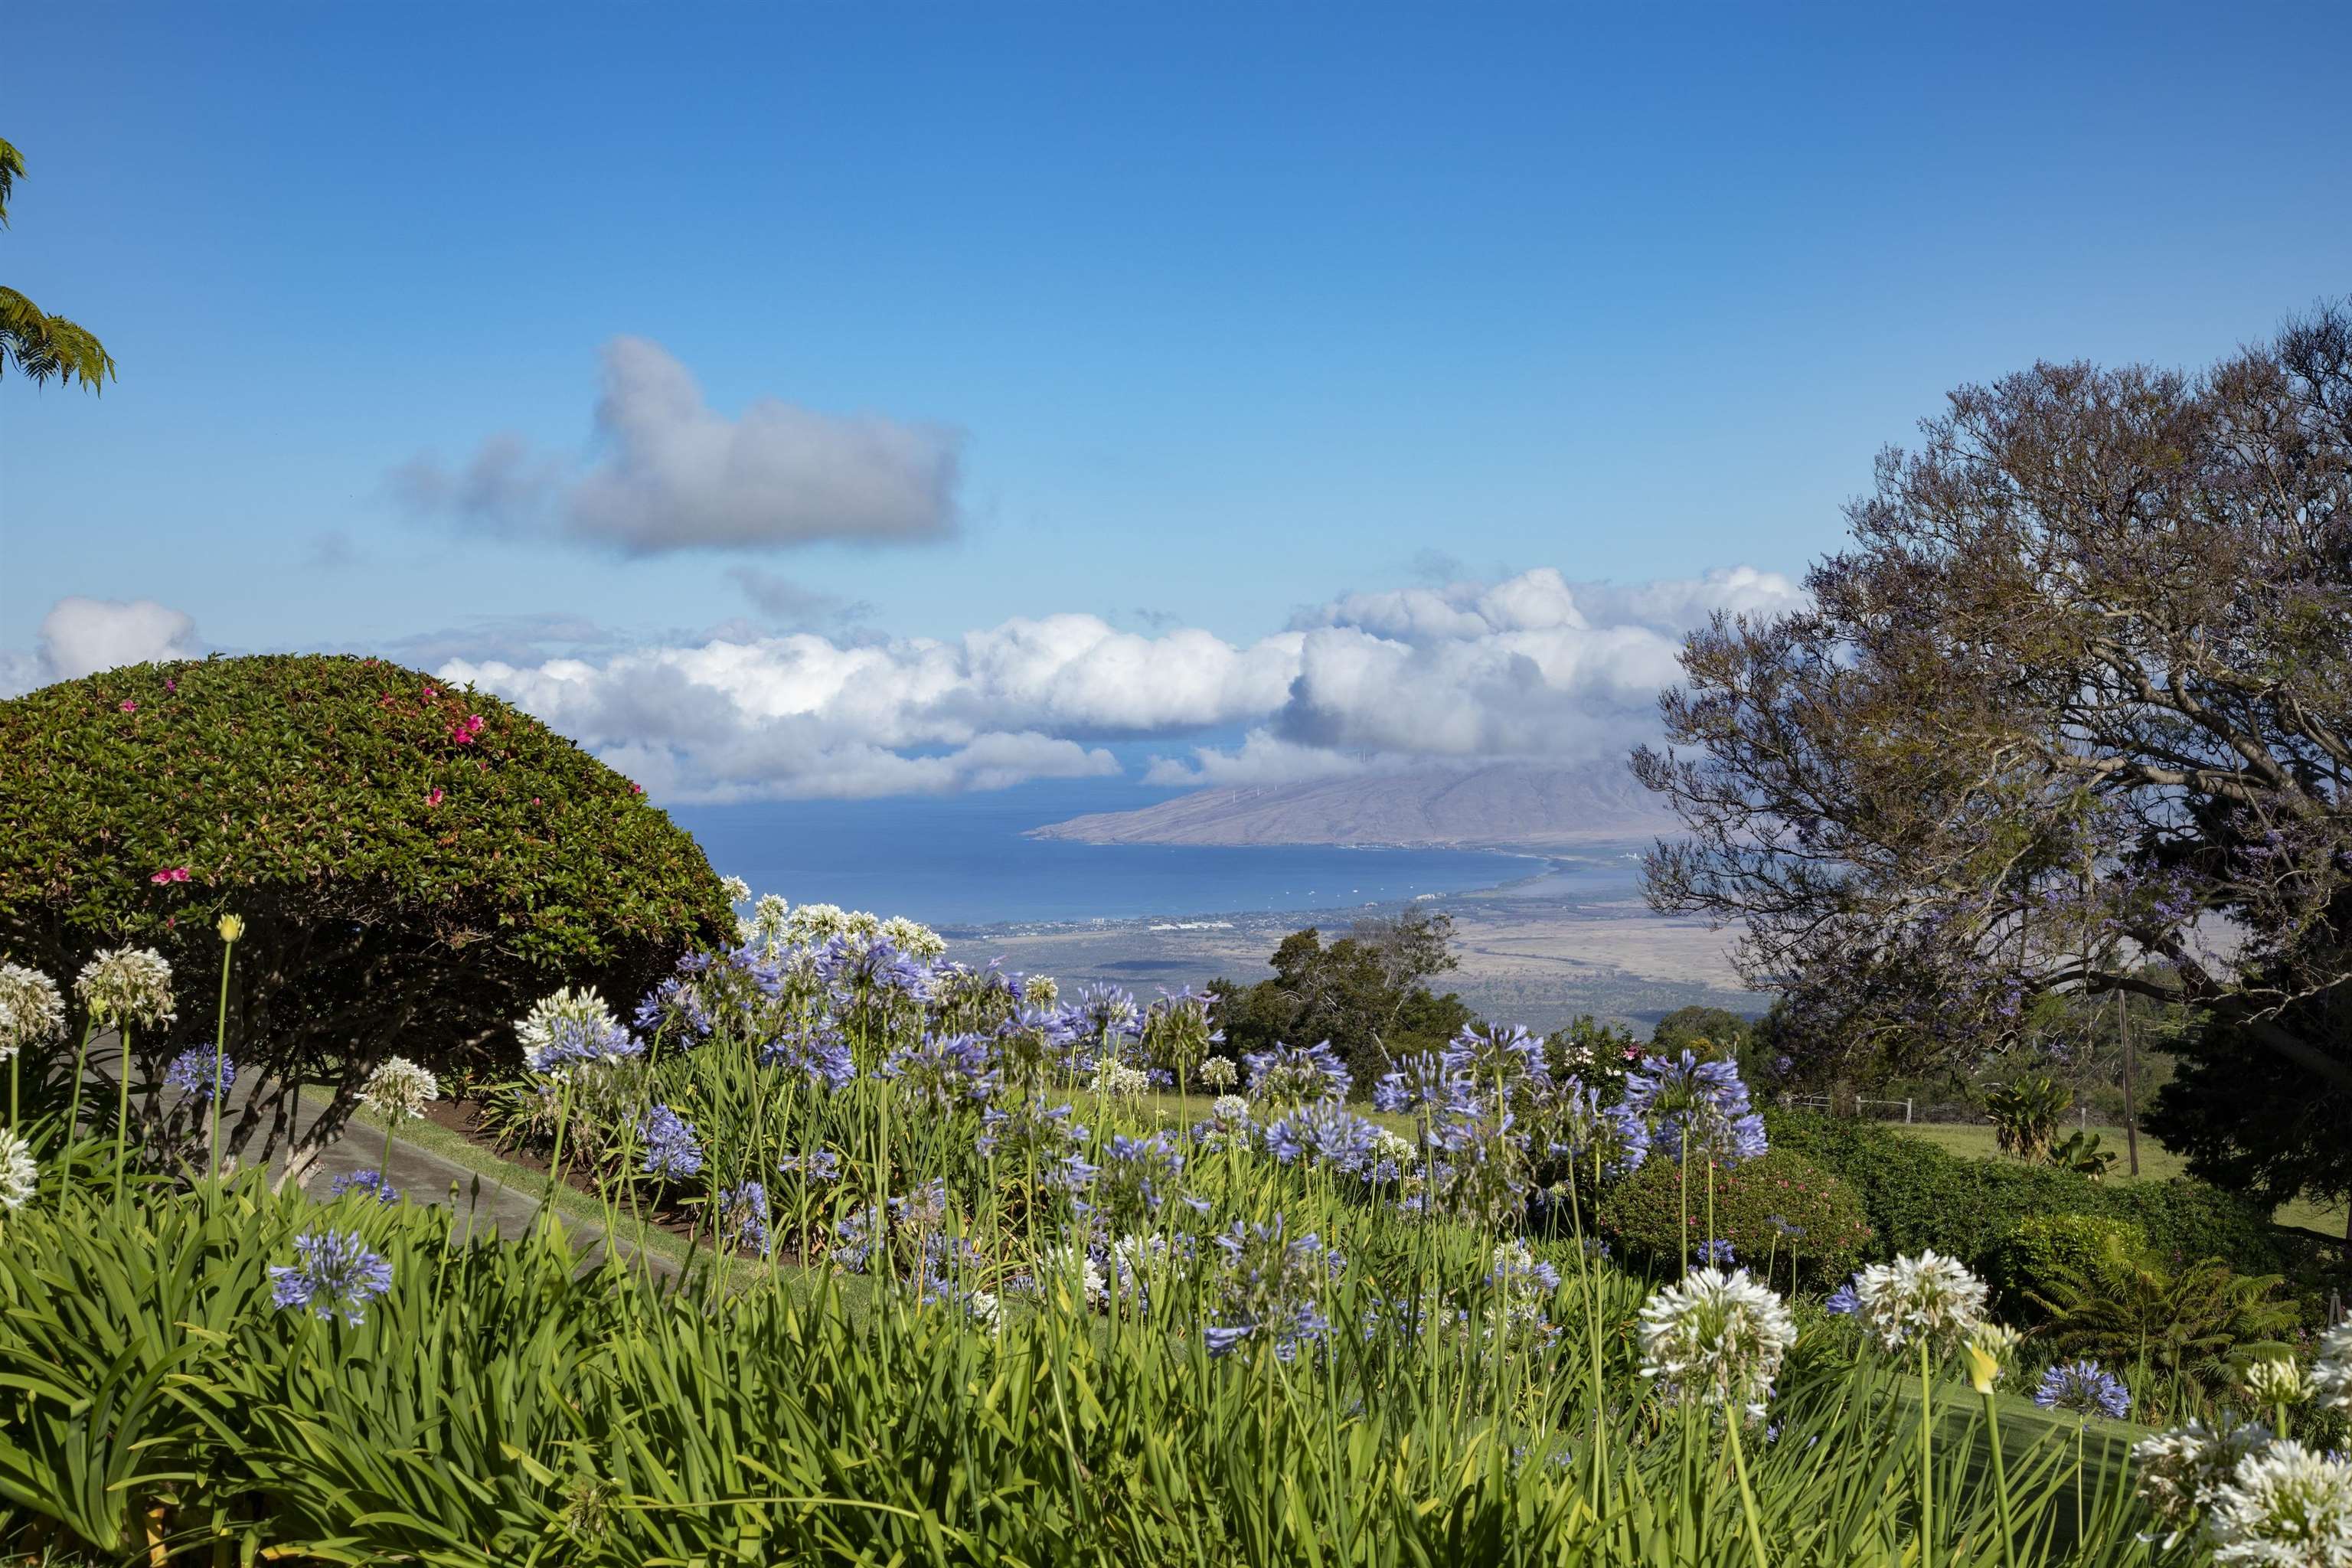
<point>473,723</point>
<point>170,874</point>
<point>430,693</point>
<point>171,686</point>
<point>128,705</point>
<point>432,795</point>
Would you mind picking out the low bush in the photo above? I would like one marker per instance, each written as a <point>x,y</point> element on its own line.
<point>2043,1253</point>
<point>1782,1210</point>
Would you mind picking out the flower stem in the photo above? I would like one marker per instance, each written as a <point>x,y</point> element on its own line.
<point>122,1112</point>
<point>1927,1460</point>
<point>1747,1493</point>
<point>2000,1485</point>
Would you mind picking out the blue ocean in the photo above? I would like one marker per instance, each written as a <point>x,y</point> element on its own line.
<point>964,860</point>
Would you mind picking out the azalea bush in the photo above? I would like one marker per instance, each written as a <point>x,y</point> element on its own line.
<point>412,863</point>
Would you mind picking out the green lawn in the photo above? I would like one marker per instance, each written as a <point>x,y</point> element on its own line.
<point>2156,1163</point>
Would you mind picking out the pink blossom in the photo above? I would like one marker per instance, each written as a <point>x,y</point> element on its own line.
<point>170,874</point>
<point>430,693</point>
<point>473,723</point>
<point>171,686</point>
<point>128,705</point>
<point>432,795</point>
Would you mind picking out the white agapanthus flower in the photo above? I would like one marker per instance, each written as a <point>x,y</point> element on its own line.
<point>570,1027</point>
<point>814,925</point>
<point>1388,1146</point>
<point>2182,1470</point>
<point>1229,1108</point>
<point>1116,1080</point>
<point>1070,1262</point>
<point>400,1088</point>
<point>737,889</point>
<point>1715,1337</point>
<point>767,922</point>
<point>128,985</point>
<point>2286,1507</point>
<point>914,938</point>
<point>32,1011</point>
<point>984,1307</point>
<point>1041,990</point>
<point>2277,1380</point>
<point>2331,1375</point>
<point>19,1177</point>
<point>1927,1297</point>
<point>1219,1073</point>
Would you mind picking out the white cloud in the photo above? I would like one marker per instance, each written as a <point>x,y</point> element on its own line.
<point>1531,666</point>
<point>80,636</point>
<point>671,473</point>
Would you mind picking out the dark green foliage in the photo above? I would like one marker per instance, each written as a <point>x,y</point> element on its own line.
<point>2183,1330</point>
<point>2043,1252</point>
<point>2256,1122</point>
<point>1645,1212</point>
<point>410,879</point>
<point>1683,1028</point>
<point>1917,1196</point>
<point>1365,993</point>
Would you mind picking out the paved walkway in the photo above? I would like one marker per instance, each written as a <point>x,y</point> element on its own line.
<point>488,1205</point>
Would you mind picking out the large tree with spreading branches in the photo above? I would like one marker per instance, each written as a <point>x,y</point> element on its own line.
<point>2072,713</point>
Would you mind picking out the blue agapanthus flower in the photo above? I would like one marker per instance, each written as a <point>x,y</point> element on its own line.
<point>1716,1253</point>
<point>743,1218</point>
<point>822,1057</point>
<point>1697,1108</point>
<point>1847,1300</point>
<point>1136,1174</point>
<point>816,1167</point>
<point>943,1072</point>
<point>855,967</point>
<point>1419,1078</point>
<point>671,1151</point>
<point>1494,1055</point>
<point>677,1006</point>
<point>334,1275</point>
<point>2084,1388</point>
<point>1323,1132</point>
<point>367,1183</point>
<point>1271,1290</point>
<point>584,1040</point>
<point>202,1072</point>
<point>1616,1133</point>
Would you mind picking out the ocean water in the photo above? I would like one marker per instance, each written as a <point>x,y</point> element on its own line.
<point>964,861</point>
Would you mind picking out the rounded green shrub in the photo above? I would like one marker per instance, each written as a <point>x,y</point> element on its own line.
<point>414,863</point>
<point>2043,1254</point>
<point>1644,1214</point>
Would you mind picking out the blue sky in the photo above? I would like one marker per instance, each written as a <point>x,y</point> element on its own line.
<point>1216,314</point>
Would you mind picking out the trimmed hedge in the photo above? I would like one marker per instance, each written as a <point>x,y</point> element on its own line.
<point>2043,1253</point>
<point>1918,1196</point>
<point>414,863</point>
<point>1644,1212</point>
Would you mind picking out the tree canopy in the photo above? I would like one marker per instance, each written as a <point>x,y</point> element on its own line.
<point>1367,993</point>
<point>2072,713</point>
<point>38,345</point>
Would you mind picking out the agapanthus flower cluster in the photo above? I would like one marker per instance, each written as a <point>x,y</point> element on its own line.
<point>1030,1136</point>
<point>1137,1176</point>
<point>1926,1297</point>
<point>943,1072</point>
<point>400,1089</point>
<point>20,1178</point>
<point>1295,1075</point>
<point>913,938</point>
<point>1270,1289</point>
<point>1067,1265</point>
<point>2284,1507</point>
<point>1717,1338</point>
<point>1116,1079</point>
<point>1178,1033</point>
<point>128,985</point>
<point>2083,1388</point>
<point>572,1029</point>
<point>2275,1381</point>
<point>1219,1074</point>
<point>366,1184</point>
<point>202,1073</point>
<point>1522,1283</point>
<point>1494,1057</point>
<point>1585,1130</point>
<point>32,1010</point>
<point>670,1149</point>
<point>675,1008</point>
<point>1419,1080</point>
<point>869,969</point>
<point>743,1218</point>
<point>2331,1373</point>
<point>817,1167</point>
<point>2183,1471</point>
<point>335,1275</point>
<point>1696,1109</point>
<point>819,1055</point>
<point>737,889</point>
<point>1324,1133</point>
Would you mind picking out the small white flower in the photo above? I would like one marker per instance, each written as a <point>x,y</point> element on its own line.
<point>1389,1145</point>
<point>2181,1470</point>
<point>1069,1262</point>
<point>2286,1507</point>
<point>2331,1375</point>
<point>983,1307</point>
<point>1715,1337</point>
<point>399,1088</point>
<point>736,888</point>
<point>814,925</point>
<point>31,1009</point>
<point>1231,1109</point>
<point>1927,1297</point>
<point>1219,1073</point>
<point>128,984</point>
<point>1040,991</point>
<point>19,1177</point>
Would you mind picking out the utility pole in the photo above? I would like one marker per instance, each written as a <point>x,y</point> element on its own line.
<point>2131,1105</point>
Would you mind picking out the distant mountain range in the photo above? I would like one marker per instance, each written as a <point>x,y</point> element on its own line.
<point>1511,806</point>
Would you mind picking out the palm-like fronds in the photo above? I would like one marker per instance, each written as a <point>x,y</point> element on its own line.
<point>38,344</point>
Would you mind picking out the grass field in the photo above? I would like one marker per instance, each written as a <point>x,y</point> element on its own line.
<point>2156,1163</point>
